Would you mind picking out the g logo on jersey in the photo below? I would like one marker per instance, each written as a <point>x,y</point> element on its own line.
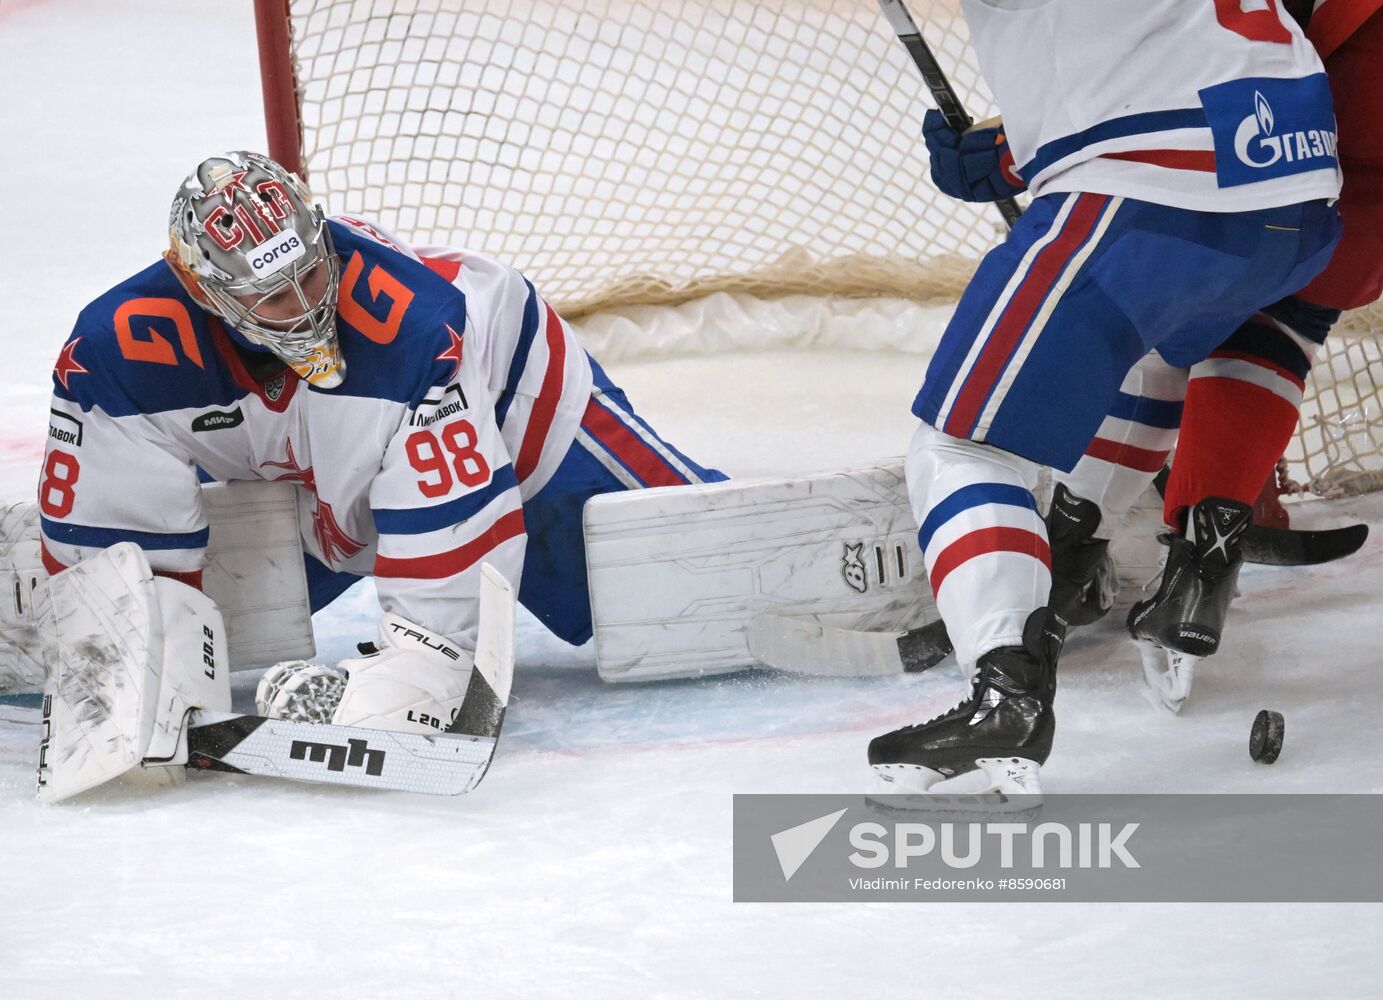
<point>1289,128</point>
<point>1258,126</point>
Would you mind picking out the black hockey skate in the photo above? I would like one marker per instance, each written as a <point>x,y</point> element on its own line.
<point>1083,579</point>
<point>992,744</point>
<point>1183,621</point>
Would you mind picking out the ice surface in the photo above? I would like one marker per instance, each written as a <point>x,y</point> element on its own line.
<point>595,859</point>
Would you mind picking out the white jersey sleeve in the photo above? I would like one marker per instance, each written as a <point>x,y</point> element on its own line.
<point>108,479</point>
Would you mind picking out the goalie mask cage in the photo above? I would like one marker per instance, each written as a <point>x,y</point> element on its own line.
<point>629,153</point>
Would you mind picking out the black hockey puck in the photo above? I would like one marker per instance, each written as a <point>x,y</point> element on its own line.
<point>1265,740</point>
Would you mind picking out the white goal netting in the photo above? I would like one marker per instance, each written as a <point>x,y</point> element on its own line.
<point>629,153</point>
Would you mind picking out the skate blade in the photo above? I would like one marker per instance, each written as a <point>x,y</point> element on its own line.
<point>1167,675</point>
<point>1008,786</point>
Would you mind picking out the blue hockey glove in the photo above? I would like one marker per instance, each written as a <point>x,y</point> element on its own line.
<point>973,166</point>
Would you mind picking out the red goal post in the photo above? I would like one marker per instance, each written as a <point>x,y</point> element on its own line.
<point>278,79</point>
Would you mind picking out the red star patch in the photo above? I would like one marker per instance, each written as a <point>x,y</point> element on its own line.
<point>227,186</point>
<point>68,364</point>
<point>452,353</point>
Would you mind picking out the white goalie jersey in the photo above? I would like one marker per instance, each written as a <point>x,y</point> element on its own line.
<point>463,393</point>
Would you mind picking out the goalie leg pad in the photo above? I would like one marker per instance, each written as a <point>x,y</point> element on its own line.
<point>677,574</point>
<point>23,598</point>
<point>255,571</point>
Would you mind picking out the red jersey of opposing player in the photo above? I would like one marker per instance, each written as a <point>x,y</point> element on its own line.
<point>1349,36</point>
<point>1234,431</point>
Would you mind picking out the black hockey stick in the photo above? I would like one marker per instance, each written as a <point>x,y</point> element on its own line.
<point>1290,546</point>
<point>806,646</point>
<point>947,100</point>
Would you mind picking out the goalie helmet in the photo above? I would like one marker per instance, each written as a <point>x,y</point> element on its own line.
<point>247,244</point>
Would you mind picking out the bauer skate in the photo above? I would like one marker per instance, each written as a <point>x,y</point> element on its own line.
<point>1084,582</point>
<point>1182,622</point>
<point>986,753</point>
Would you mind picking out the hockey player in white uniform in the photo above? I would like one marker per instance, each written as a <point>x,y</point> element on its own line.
<point>1181,160</point>
<point>431,409</point>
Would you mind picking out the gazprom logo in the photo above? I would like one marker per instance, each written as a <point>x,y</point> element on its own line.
<point>1264,111</point>
<point>1256,145</point>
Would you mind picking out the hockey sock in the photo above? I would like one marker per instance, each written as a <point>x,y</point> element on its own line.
<point>1132,443</point>
<point>1241,407</point>
<point>984,543</point>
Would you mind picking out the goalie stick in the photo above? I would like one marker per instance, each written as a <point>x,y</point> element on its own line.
<point>342,755</point>
<point>945,96</point>
<point>1269,546</point>
<point>804,646</point>
<point>140,693</point>
<point>449,763</point>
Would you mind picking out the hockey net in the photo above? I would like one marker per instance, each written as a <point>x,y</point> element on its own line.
<point>632,156</point>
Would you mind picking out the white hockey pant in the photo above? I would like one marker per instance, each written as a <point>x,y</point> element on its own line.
<point>984,543</point>
<point>1132,444</point>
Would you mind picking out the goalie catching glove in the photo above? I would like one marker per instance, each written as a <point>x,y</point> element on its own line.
<point>974,165</point>
<point>414,682</point>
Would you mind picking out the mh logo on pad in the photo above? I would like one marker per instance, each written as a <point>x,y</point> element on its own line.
<point>337,758</point>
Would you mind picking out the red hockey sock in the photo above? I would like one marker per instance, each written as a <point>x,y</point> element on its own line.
<point>1241,412</point>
